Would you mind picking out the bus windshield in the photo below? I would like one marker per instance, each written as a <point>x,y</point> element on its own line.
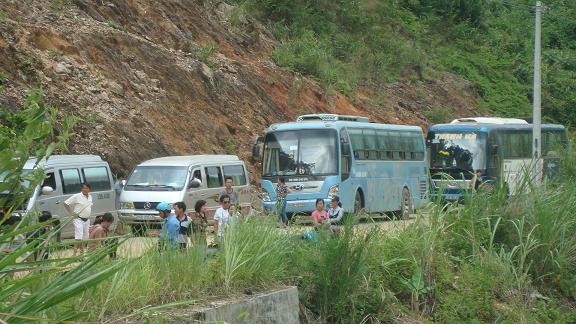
<point>462,151</point>
<point>300,152</point>
<point>157,178</point>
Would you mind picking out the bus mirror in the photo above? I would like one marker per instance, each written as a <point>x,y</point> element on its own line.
<point>256,147</point>
<point>47,190</point>
<point>255,151</point>
<point>345,149</point>
<point>494,149</point>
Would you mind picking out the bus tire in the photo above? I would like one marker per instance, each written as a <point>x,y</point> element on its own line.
<point>406,207</point>
<point>138,230</point>
<point>358,203</point>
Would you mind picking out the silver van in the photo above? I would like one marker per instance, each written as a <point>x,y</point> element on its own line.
<point>180,178</point>
<point>64,175</point>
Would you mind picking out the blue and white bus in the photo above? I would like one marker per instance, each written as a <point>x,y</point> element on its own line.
<point>485,151</point>
<point>374,167</point>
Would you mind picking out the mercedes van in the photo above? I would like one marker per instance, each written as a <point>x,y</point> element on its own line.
<point>180,178</point>
<point>64,176</point>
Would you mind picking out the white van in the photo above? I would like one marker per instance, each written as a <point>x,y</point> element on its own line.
<point>170,179</point>
<point>64,176</point>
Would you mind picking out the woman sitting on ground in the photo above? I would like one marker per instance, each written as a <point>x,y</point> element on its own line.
<point>319,215</point>
<point>335,213</point>
<point>99,230</point>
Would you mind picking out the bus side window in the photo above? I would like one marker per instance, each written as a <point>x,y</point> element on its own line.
<point>344,154</point>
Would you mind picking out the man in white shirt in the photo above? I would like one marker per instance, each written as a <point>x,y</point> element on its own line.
<point>222,218</point>
<point>80,207</point>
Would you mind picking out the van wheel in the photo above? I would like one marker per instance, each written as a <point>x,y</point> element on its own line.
<point>406,207</point>
<point>138,230</point>
<point>358,203</point>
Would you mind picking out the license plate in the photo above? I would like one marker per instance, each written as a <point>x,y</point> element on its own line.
<point>452,196</point>
<point>296,204</point>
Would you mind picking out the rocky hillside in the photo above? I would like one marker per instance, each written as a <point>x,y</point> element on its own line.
<point>154,78</point>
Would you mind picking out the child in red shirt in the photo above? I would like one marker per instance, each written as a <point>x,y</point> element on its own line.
<point>319,215</point>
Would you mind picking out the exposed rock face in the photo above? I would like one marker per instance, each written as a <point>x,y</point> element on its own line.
<point>154,78</point>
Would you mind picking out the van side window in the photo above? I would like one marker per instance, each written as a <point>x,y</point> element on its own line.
<point>50,181</point>
<point>197,175</point>
<point>213,177</point>
<point>98,178</point>
<point>70,181</point>
<point>237,174</point>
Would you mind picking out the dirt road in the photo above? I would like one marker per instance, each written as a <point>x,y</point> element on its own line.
<point>136,246</point>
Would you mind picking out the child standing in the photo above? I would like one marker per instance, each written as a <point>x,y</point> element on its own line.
<point>185,224</point>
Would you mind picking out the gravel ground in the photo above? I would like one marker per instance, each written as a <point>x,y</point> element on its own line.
<point>136,246</point>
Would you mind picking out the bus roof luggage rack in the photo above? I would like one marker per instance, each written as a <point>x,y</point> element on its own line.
<point>489,120</point>
<point>332,117</point>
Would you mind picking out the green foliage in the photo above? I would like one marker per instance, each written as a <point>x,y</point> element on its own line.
<point>28,65</point>
<point>230,146</point>
<point>438,115</point>
<point>29,132</point>
<point>59,6</point>
<point>332,274</point>
<point>251,253</point>
<point>472,291</point>
<point>207,52</point>
<point>346,44</point>
<point>92,120</point>
<point>32,290</point>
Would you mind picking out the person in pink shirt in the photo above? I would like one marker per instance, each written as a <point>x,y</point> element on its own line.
<point>319,215</point>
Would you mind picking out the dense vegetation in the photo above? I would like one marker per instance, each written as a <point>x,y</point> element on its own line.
<point>350,44</point>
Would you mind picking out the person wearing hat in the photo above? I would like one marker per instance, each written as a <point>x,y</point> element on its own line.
<point>168,238</point>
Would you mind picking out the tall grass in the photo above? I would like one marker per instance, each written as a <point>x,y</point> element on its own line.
<point>253,253</point>
<point>495,258</point>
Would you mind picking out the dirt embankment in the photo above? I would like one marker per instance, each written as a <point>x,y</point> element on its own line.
<point>154,78</point>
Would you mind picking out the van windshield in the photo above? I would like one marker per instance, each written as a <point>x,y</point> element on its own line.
<point>157,178</point>
<point>7,197</point>
<point>25,182</point>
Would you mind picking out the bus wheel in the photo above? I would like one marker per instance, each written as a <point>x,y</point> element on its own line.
<point>138,229</point>
<point>406,207</point>
<point>358,203</point>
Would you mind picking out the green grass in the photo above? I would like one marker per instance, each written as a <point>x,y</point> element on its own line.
<point>478,263</point>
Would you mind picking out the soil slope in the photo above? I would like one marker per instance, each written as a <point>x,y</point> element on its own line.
<point>164,77</point>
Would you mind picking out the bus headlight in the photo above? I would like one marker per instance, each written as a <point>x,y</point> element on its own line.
<point>333,191</point>
<point>127,205</point>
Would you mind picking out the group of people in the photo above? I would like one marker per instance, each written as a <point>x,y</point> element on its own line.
<point>178,227</point>
<point>320,216</point>
<point>79,206</point>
